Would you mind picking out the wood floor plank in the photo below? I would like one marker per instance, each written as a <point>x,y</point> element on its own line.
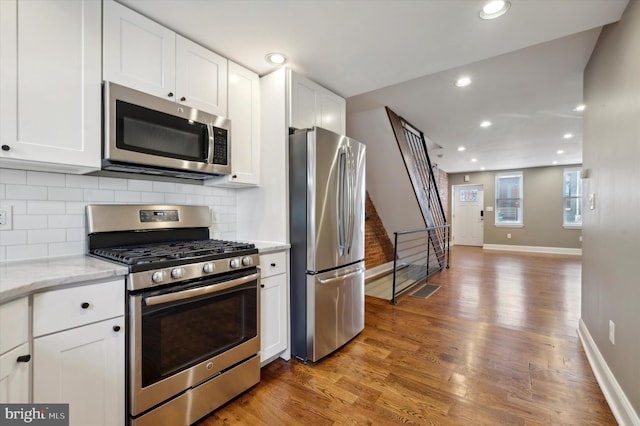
<point>496,345</point>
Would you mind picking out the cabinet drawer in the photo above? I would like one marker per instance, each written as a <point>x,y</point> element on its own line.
<point>273,263</point>
<point>14,324</point>
<point>62,309</point>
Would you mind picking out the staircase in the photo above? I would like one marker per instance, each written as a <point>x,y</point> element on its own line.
<point>413,148</point>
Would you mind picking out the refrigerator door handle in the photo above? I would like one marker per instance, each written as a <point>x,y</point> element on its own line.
<point>341,203</point>
<point>341,277</point>
<point>352,194</point>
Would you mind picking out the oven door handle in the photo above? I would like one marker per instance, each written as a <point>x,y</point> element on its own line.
<point>200,291</point>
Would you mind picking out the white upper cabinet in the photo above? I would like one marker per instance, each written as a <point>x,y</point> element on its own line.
<point>143,55</point>
<point>244,113</point>
<point>50,85</point>
<point>138,52</point>
<point>201,77</point>
<point>313,105</point>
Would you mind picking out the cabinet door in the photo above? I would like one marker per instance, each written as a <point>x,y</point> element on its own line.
<point>244,112</point>
<point>14,324</point>
<point>138,52</point>
<point>201,77</point>
<point>331,112</point>
<point>302,102</point>
<point>273,316</point>
<point>50,93</point>
<point>14,376</point>
<point>83,367</point>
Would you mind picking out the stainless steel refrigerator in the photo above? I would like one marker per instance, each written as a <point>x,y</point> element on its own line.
<point>326,199</point>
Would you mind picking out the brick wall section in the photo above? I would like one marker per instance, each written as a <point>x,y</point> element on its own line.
<point>378,247</point>
<point>442,180</point>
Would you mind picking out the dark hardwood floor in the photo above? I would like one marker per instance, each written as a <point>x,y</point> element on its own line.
<point>496,345</point>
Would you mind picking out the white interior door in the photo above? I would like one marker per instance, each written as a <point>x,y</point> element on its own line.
<point>468,215</point>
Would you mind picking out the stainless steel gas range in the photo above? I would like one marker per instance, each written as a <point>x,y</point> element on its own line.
<point>192,306</point>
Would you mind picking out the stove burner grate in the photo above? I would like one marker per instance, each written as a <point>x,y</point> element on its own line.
<point>154,253</point>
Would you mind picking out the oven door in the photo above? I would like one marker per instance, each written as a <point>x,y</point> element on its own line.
<point>180,338</point>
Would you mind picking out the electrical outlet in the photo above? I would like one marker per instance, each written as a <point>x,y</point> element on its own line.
<point>6,219</point>
<point>508,235</point>
<point>612,332</point>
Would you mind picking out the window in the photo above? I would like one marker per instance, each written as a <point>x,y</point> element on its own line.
<point>572,198</point>
<point>509,199</point>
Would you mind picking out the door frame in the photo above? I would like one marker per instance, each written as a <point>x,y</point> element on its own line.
<point>453,209</point>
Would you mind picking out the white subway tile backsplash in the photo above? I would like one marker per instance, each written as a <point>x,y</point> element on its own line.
<point>27,251</point>
<point>152,198</point>
<point>45,179</point>
<point>8,238</point>
<point>99,195</point>
<point>112,183</point>
<point>82,181</point>
<point>66,221</point>
<point>139,185</point>
<point>127,197</point>
<point>26,192</point>
<point>23,221</point>
<point>46,207</point>
<point>10,176</point>
<point>37,236</point>
<point>49,208</point>
<point>66,194</point>
<point>164,187</point>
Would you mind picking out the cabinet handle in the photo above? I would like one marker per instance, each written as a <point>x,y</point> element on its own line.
<point>24,358</point>
<point>170,94</point>
<point>261,285</point>
<point>273,265</point>
<point>85,305</point>
<point>6,148</point>
<point>116,328</point>
<point>182,99</point>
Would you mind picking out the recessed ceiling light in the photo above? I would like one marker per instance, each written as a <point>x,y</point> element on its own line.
<point>555,163</point>
<point>485,123</point>
<point>463,81</point>
<point>473,160</point>
<point>461,148</point>
<point>482,168</point>
<point>580,107</point>
<point>567,135</point>
<point>495,9</point>
<point>560,151</point>
<point>276,58</point>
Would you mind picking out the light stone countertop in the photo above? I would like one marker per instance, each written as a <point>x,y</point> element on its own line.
<point>22,278</point>
<point>269,246</point>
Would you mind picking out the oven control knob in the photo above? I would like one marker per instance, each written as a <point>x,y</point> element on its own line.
<point>235,263</point>
<point>157,277</point>
<point>247,261</point>
<point>208,268</point>
<point>177,273</point>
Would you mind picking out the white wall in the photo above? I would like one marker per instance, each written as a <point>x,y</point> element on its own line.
<point>49,208</point>
<point>388,183</point>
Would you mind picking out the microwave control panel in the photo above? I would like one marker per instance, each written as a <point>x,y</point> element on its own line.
<point>220,146</point>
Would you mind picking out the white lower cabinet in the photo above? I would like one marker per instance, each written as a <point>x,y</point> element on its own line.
<point>83,367</point>
<point>80,360</point>
<point>274,309</point>
<point>15,356</point>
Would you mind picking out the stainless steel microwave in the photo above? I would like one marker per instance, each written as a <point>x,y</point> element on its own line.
<point>151,135</point>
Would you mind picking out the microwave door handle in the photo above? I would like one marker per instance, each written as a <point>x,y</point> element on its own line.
<point>199,291</point>
<point>211,145</point>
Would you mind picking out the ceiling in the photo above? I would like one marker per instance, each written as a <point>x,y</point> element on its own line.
<point>526,66</point>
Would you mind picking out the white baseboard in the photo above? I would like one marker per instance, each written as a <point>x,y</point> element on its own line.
<point>620,406</point>
<point>533,249</point>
